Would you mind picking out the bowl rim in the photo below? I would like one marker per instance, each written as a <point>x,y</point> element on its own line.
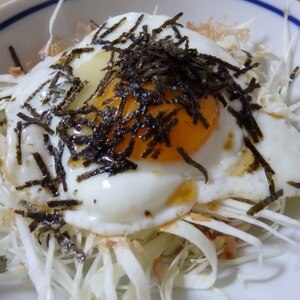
<point>14,10</point>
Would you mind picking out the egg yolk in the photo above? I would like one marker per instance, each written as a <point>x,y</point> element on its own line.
<point>185,133</point>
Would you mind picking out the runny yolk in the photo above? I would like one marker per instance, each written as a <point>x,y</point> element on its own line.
<point>191,137</point>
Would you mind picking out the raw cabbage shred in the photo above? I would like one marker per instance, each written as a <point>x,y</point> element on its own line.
<point>138,265</point>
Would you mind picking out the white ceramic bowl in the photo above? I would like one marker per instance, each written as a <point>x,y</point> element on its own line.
<point>24,25</point>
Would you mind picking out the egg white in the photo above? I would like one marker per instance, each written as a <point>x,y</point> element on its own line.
<point>280,147</point>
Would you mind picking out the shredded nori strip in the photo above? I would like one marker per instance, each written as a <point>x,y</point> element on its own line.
<point>15,57</point>
<point>51,222</point>
<point>274,194</point>
<point>99,29</point>
<point>46,182</point>
<point>249,58</point>
<point>46,174</point>
<point>18,131</point>
<point>28,205</point>
<point>112,167</point>
<point>37,91</point>
<point>3,264</point>
<point>109,30</point>
<point>70,203</point>
<point>123,37</point>
<point>246,69</point>
<point>294,73</point>
<point>170,22</point>
<point>57,154</point>
<point>265,202</point>
<point>267,168</point>
<point>68,247</point>
<point>64,62</point>
<point>253,84</point>
<point>193,163</point>
<point>34,120</point>
<point>294,184</point>
<point>52,219</point>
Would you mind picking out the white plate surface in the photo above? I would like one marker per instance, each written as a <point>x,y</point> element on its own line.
<point>24,25</point>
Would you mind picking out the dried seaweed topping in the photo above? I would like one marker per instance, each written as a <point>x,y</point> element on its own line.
<point>64,62</point>
<point>169,68</point>
<point>28,205</point>
<point>57,154</point>
<point>123,37</point>
<point>68,203</point>
<point>99,29</point>
<point>49,221</point>
<point>99,38</point>
<point>18,131</point>
<point>3,264</point>
<point>170,22</point>
<point>68,247</point>
<point>294,184</point>
<point>193,163</point>
<point>56,94</point>
<point>46,181</point>
<point>37,91</point>
<point>274,194</point>
<point>267,168</point>
<point>15,57</point>
<point>152,70</point>
<point>249,58</point>
<point>246,69</point>
<point>264,203</point>
<point>37,120</point>
<point>294,73</point>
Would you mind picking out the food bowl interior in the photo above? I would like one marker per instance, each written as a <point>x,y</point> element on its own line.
<point>25,24</point>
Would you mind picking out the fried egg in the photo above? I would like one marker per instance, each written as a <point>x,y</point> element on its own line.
<point>152,162</point>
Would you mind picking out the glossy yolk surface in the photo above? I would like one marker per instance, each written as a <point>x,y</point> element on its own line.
<point>191,137</point>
